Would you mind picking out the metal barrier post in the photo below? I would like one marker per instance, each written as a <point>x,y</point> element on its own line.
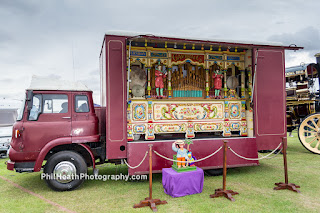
<point>149,201</point>
<point>223,192</point>
<point>286,185</point>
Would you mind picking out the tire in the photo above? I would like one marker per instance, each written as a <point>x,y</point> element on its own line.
<point>214,172</point>
<point>62,171</point>
<point>309,133</point>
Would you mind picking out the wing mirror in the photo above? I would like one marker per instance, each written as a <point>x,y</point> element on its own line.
<point>29,99</point>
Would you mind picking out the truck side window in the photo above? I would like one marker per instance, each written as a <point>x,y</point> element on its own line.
<point>81,103</point>
<point>54,103</point>
<point>36,108</point>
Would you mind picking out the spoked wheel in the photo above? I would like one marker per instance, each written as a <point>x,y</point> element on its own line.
<point>309,133</point>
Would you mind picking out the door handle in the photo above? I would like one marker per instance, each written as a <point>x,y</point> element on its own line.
<point>66,117</point>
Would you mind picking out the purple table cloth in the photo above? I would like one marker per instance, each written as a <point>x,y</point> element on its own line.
<point>181,184</point>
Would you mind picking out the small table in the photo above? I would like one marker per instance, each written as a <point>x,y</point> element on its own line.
<point>181,184</point>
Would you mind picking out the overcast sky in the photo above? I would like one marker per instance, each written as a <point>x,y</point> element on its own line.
<point>62,38</point>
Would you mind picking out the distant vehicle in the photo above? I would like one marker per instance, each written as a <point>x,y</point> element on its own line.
<point>7,119</point>
<point>303,103</point>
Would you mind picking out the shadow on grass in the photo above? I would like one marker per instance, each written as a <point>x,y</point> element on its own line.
<point>33,181</point>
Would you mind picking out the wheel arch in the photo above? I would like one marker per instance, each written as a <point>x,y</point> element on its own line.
<point>64,144</point>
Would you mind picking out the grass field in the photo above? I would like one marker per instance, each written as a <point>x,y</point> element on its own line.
<point>255,185</point>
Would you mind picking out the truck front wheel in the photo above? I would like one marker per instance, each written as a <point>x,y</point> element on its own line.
<point>65,170</point>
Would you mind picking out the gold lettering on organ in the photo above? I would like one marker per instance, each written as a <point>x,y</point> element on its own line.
<point>182,57</point>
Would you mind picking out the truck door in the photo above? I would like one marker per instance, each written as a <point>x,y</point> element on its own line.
<point>269,98</point>
<point>49,119</point>
<point>116,98</point>
<point>84,119</point>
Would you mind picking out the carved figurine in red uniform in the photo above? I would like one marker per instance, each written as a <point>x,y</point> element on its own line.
<point>159,81</point>
<point>217,76</point>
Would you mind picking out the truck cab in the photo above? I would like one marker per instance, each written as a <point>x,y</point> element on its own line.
<point>59,125</point>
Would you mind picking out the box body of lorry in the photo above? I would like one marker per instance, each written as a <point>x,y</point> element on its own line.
<point>249,111</point>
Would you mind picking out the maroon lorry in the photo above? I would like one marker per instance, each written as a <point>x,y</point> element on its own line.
<point>60,126</point>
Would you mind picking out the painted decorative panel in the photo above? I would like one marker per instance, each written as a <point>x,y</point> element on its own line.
<point>235,126</point>
<point>139,53</point>
<point>204,127</point>
<point>163,128</point>
<point>152,117</point>
<point>233,58</point>
<point>234,110</point>
<point>139,111</point>
<point>139,129</point>
<point>182,58</point>
<point>188,111</point>
<point>215,57</point>
<point>158,55</point>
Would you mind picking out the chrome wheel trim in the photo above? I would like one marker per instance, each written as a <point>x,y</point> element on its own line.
<point>64,172</point>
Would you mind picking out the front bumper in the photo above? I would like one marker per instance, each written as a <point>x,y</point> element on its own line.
<point>10,165</point>
<point>20,166</point>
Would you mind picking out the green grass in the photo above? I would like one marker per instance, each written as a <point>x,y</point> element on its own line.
<point>255,185</point>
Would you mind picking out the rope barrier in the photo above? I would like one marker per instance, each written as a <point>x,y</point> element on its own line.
<point>187,161</point>
<point>195,161</point>
<point>134,167</point>
<point>240,156</point>
<point>275,155</point>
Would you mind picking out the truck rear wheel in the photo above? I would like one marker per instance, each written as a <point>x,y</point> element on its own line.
<point>65,171</point>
